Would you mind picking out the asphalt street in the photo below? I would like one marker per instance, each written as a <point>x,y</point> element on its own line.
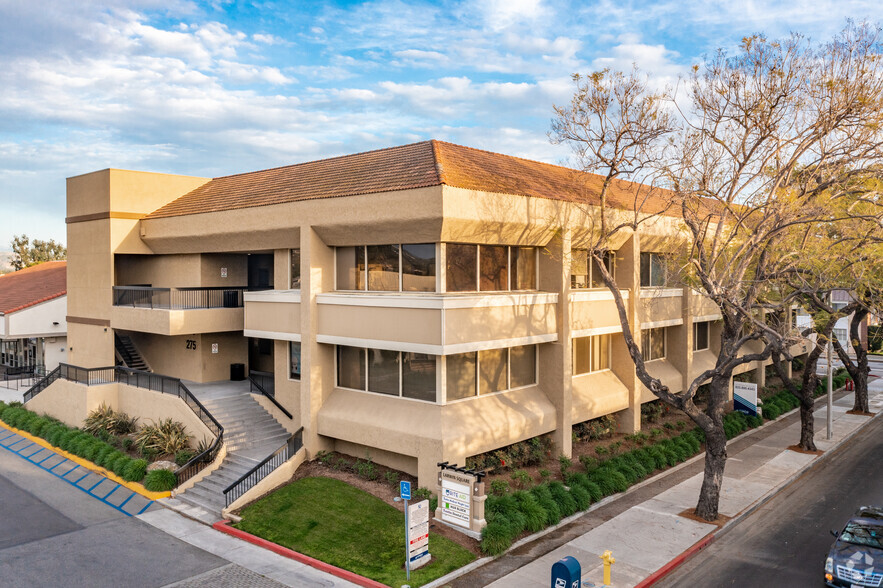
<point>784,543</point>
<point>51,534</point>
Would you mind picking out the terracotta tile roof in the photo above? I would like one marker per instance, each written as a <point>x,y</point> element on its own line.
<point>418,165</point>
<point>32,285</point>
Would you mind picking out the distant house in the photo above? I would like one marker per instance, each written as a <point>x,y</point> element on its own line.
<point>33,308</point>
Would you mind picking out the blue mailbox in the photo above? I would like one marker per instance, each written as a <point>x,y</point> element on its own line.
<point>566,573</point>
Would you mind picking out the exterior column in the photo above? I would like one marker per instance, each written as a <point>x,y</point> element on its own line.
<point>317,360</point>
<point>628,276</point>
<point>555,370</point>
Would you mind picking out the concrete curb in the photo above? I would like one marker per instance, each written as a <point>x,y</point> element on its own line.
<point>225,527</point>
<point>729,525</point>
<point>133,486</point>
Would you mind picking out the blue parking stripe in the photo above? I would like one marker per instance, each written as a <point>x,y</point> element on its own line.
<point>146,506</point>
<point>132,495</point>
<point>65,460</point>
<point>115,488</point>
<point>51,454</point>
<point>8,437</point>
<point>84,475</point>
<point>96,485</point>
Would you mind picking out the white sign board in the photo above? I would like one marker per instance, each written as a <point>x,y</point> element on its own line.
<point>456,501</point>
<point>223,272</point>
<point>214,347</point>
<point>418,533</point>
<point>745,397</point>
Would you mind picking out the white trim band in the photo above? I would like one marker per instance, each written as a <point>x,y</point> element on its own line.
<point>595,331</point>
<point>658,324</point>
<point>279,336</point>
<point>650,292</point>
<point>437,301</point>
<point>435,349</point>
<point>595,295</point>
<point>273,296</point>
<point>707,318</point>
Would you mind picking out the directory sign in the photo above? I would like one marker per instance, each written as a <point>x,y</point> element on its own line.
<point>456,497</point>
<point>745,398</point>
<point>418,533</point>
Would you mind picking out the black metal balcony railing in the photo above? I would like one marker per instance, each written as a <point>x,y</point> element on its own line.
<point>178,298</point>
<point>265,468</point>
<point>149,381</point>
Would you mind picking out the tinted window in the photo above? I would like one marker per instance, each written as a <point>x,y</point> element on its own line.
<point>460,268</point>
<point>418,267</point>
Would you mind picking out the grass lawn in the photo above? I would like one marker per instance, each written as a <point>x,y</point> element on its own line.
<point>348,528</point>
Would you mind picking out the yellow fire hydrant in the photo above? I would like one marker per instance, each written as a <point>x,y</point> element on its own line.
<point>607,558</point>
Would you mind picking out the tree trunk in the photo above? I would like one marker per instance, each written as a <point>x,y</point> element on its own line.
<point>715,448</point>
<point>715,460</point>
<point>860,378</point>
<point>807,423</point>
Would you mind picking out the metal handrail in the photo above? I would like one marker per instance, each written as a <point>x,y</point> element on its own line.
<point>179,298</point>
<point>251,478</point>
<point>256,385</point>
<point>149,381</point>
<point>44,383</point>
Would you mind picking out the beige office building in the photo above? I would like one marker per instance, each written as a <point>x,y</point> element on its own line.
<point>417,304</point>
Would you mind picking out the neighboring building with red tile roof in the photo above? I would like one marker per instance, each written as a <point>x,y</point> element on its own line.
<point>33,307</point>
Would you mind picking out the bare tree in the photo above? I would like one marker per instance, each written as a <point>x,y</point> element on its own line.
<point>766,141</point>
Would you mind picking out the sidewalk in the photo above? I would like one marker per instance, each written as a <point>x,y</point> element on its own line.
<point>651,535</point>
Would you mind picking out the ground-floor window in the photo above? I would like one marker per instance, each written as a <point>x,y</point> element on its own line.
<point>700,336</point>
<point>396,373</point>
<point>591,354</point>
<point>294,359</point>
<point>491,370</point>
<point>653,343</point>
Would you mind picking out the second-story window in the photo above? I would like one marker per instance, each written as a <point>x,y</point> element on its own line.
<point>295,269</point>
<point>490,268</point>
<point>700,336</point>
<point>584,272</point>
<point>653,344</point>
<point>387,268</point>
<point>653,270</point>
<point>591,354</point>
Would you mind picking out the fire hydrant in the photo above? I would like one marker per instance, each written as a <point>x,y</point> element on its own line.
<point>607,558</point>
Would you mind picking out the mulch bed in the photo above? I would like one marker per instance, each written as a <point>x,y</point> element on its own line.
<point>690,513</point>
<point>799,449</point>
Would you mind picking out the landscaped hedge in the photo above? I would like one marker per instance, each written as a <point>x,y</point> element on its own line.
<point>75,441</point>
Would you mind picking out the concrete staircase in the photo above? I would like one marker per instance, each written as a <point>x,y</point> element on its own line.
<point>250,434</point>
<point>129,354</point>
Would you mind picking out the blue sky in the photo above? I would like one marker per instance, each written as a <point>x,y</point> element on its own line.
<point>215,88</point>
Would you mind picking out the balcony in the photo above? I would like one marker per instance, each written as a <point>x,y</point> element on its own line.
<point>273,314</point>
<point>439,324</point>
<point>661,307</point>
<point>593,312</point>
<point>177,311</point>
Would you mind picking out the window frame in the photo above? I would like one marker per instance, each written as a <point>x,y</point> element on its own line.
<point>646,350</point>
<point>651,256</point>
<point>291,375</point>
<point>509,264</point>
<point>591,352</point>
<point>609,256</point>
<point>400,247</point>
<point>299,268</point>
<point>508,388</point>
<point>707,326</point>
<point>400,364</point>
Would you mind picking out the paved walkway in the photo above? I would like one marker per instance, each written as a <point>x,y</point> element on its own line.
<point>649,535</point>
<point>92,483</point>
<point>256,559</point>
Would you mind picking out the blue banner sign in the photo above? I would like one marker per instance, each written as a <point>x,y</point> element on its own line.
<point>405,490</point>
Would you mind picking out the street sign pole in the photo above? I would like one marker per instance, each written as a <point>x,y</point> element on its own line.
<point>405,493</point>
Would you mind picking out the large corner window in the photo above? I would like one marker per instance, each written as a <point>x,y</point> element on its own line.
<point>700,336</point>
<point>295,269</point>
<point>294,360</point>
<point>584,271</point>
<point>653,270</point>
<point>653,344</point>
<point>387,268</point>
<point>395,373</point>
<point>591,354</point>
<point>490,370</point>
<point>489,268</point>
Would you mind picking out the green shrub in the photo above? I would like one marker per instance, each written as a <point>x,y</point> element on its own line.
<point>521,478</point>
<point>120,464</point>
<point>110,459</point>
<point>426,494</point>
<point>601,477</point>
<point>366,469</point>
<point>135,470</point>
<point>545,500</point>
<point>577,479</point>
<point>185,455</point>
<point>103,451</point>
<point>565,463</point>
<point>164,437</point>
<point>499,486</point>
<point>160,480</point>
<point>36,425</point>
<point>646,460</point>
<point>565,501</point>
<point>92,451</point>
<point>67,439</point>
<point>495,537</point>
<point>620,482</point>
<point>594,491</point>
<point>589,463</point>
<point>56,434</point>
<point>581,496</point>
<point>534,514</point>
<point>658,457</point>
<point>545,475</point>
<point>391,477</point>
<point>630,474</point>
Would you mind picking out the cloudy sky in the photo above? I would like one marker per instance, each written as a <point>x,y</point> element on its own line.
<point>220,87</point>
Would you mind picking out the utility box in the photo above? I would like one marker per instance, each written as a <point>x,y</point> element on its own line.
<point>566,573</point>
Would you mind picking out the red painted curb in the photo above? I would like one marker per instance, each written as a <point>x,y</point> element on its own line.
<point>224,527</point>
<point>670,566</point>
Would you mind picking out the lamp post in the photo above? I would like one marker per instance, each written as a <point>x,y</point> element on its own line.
<point>830,418</point>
